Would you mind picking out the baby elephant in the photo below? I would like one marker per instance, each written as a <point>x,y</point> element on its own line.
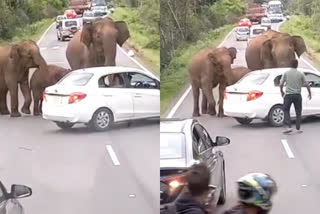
<point>42,79</point>
<point>236,74</point>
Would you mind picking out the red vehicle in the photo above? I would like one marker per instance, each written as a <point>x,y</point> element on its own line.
<point>70,14</point>
<point>79,5</point>
<point>256,12</point>
<point>244,23</point>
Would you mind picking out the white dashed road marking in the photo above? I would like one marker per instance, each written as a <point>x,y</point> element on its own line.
<point>113,155</point>
<point>287,148</point>
<point>56,47</point>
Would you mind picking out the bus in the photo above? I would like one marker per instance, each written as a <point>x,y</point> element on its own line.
<point>275,6</point>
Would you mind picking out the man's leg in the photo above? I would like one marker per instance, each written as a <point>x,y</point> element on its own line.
<point>286,106</point>
<point>297,102</point>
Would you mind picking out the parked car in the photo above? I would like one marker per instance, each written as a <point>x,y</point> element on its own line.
<point>242,33</point>
<point>70,14</point>
<point>266,22</point>
<point>9,203</point>
<point>257,96</point>
<point>276,17</point>
<point>101,96</point>
<point>255,31</point>
<point>91,15</point>
<point>67,28</point>
<point>59,18</point>
<point>244,23</point>
<point>184,142</point>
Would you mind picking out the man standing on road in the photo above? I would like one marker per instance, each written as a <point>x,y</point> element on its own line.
<point>194,200</point>
<point>294,80</point>
<point>255,191</point>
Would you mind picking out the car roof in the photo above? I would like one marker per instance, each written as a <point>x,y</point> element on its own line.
<point>175,125</point>
<point>279,71</point>
<point>105,70</point>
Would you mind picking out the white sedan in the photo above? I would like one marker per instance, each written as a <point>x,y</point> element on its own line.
<point>257,96</point>
<point>100,96</point>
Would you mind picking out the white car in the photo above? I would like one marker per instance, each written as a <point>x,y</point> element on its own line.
<point>257,96</point>
<point>100,96</point>
<point>266,22</point>
<point>242,33</point>
<point>255,31</point>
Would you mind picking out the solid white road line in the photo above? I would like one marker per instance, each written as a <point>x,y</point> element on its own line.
<point>113,155</point>
<point>287,148</point>
<point>177,105</point>
<point>56,47</point>
<point>45,33</point>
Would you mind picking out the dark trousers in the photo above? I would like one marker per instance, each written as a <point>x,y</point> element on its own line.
<point>296,99</point>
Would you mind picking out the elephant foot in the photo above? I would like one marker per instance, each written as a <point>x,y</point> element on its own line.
<point>221,114</point>
<point>5,112</point>
<point>204,111</point>
<point>15,114</point>
<point>36,113</point>
<point>196,114</point>
<point>25,111</point>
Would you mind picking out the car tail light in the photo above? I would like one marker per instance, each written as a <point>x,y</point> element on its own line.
<point>225,95</point>
<point>44,96</point>
<point>76,97</point>
<point>252,95</point>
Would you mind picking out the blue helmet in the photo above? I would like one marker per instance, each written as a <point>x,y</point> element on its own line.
<point>257,189</point>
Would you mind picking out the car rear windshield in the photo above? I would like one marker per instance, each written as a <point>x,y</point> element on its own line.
<point>172,145</point>
<point>243,30</point>
<point>266,21</point>
<point>88,15</point>
<point>254,79</point>
<point>70,23</point>
<point>257,31</point>
<point>76,79</point>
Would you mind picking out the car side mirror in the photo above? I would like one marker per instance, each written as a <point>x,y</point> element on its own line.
<point>20,191</point>
<point>222,141</point>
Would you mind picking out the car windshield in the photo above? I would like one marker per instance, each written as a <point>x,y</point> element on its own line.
<point>172,145</point>
<point>257,31</point>
<point>265,21</point>
<point>243,30</point>
<point>254,79</point>
<point>70,23</point>
<point>76,79</point>
<point>88,15</point>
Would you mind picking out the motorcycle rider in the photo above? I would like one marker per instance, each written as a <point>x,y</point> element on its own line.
<point>255,191</point>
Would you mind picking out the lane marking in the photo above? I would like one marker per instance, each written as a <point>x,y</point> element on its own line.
<point>113,155</point>
<point>287,148</point>
<point>45,33</point>
<point>45,48</point>
<point>56,47</point>
<point>185,94</point>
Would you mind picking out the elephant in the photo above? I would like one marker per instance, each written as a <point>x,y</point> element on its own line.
<point>236,74</point>
<point>40,80</point>
<point>207,69</point>
<point>273,49</point>
<point>96,44</point>
<point>15,62</point>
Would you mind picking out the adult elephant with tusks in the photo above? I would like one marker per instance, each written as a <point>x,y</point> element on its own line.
<point>15,62</point>
<point>96,44</point>
<point>208,68</point>
<point>273,49</point>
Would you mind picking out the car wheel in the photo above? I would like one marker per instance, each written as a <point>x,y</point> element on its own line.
<point>101,120</point>
<point>63,125</point>
<point>276,116</point>
<point>223,193</point>
<point>244,121</point>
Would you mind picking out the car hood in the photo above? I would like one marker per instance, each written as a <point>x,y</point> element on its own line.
<point>172,163</point>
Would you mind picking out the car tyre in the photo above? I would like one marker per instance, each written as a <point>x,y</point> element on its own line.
<point>244,121</point>
<point>223,193</point>
<point>101,120</point>
<point>276,116</point>
<point>63,125</point>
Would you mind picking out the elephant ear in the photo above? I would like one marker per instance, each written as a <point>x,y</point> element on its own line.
<point>266,53</point>
<point>86,34</point>
<point>123,32</point>
<point>232,53</point>
<point>213,59</point>
<point>15,52</point>
<point>299,45</point>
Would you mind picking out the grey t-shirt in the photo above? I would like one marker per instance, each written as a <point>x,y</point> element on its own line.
<point>294,80</point>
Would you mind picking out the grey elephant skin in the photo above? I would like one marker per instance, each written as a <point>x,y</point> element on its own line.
<point>96,44</point>
<point>15,62</point>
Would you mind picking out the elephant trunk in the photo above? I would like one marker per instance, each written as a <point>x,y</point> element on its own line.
<point>41,63</point>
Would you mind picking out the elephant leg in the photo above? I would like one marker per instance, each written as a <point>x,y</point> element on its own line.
<point>13,89</point>
<point>27,97</point>
<point>36,102</point>
<point>204,104</point>
<point>210,99</point>
<point>222,88</point>
<point>196,93</point>
<point>3,101</point>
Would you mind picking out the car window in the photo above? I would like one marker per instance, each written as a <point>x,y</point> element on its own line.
<point>172,145</point>
<point>76,79</point>
<point>204,135</point>
<point>254,78</point>
<point>313,79</point>
<point>70,23</point>
<point>257,31</point>
<point>112,81</point>
<point>243,30</point>
<point>138,80</point>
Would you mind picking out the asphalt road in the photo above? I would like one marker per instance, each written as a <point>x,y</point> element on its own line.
<point>258,147</point>
<point>79,171</point>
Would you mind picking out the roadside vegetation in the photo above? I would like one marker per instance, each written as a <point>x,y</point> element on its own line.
<point>305,23</point>
<point>143,19</point>
<point>27,19</point>
<point>186,27</point>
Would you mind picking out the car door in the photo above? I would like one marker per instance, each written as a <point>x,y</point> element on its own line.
<point>209,155</point>
<point>313,105</point>
<point>116,96</point>
<point>145,94</point>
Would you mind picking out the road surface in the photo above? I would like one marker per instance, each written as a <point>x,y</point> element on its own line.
<point>258,147</point>
<point>79,171</point>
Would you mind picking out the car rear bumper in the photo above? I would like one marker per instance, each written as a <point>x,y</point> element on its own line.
<point>245,109</point>
<point>242,37</point>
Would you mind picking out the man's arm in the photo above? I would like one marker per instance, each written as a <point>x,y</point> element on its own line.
<point>282,81</point>
<point>307,85</point>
